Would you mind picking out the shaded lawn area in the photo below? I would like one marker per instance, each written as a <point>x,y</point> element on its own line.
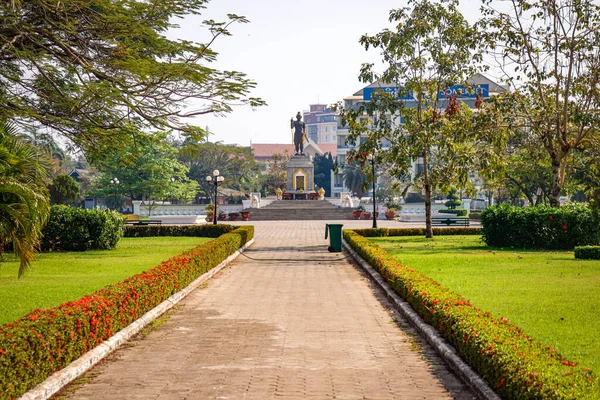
<point>552,296</point>
<point>65,276</point>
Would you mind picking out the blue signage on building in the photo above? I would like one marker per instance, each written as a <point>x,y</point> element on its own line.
<point>459,90</point>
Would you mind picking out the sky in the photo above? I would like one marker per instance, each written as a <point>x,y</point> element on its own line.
<point>298,53</point>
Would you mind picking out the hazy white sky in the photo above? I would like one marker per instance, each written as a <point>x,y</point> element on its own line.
<point>299,53</point>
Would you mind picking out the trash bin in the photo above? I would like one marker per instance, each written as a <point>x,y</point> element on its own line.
<point>335,237</point>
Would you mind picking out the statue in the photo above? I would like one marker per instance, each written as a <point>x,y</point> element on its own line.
<point>299,133</point>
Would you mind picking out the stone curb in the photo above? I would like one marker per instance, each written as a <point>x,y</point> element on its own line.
<point>439,344</point>
<point>59,379</point>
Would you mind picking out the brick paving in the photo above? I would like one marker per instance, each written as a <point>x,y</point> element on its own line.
<point>305,324</point>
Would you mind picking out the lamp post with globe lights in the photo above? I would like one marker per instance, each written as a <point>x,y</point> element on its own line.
<point>215,179</point>
<point>114,182</point>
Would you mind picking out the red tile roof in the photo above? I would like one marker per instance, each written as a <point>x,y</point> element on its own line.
<point>268,149</point>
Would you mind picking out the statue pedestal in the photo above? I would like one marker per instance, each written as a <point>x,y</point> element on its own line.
<point>301,175</point>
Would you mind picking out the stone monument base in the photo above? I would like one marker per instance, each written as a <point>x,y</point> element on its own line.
<point>300,195</point>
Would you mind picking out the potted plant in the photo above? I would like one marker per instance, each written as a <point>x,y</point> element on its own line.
<point>245,215</point>
<point>210,212</point>
<point>390,213</point>
<point>222,216</point>
<point>233,216</point>
<point>356,213</point>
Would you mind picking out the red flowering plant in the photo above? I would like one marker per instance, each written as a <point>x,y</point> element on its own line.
<point>44,341</point>
<point>511,362</point>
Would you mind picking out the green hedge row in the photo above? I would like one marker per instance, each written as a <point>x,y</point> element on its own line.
<point>205,230</point>
<point>44,341</point>
<point>540,227</point>
<point>587,252</point>
<point>512,363</point>
<point>383,232</point>
<point>460,212</point>
<point>79,229</point>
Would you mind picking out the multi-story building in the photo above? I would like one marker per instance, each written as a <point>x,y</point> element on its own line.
<point>482,84</point>
<point>321,124</point>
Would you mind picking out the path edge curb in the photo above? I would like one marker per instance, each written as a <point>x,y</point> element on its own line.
<point>75,369</point>
<point>439,344</point>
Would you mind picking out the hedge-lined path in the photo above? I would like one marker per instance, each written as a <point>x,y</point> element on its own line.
<point>279,329</point>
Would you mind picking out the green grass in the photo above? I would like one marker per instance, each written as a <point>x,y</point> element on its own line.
<point>554,297</point>
<point>58,277</point>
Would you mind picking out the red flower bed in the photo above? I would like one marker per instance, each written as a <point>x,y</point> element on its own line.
<point>45,341</point>
<point>511,362</point>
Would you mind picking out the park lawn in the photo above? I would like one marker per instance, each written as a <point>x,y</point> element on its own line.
<point>552,296</point>
<point>65,276</point>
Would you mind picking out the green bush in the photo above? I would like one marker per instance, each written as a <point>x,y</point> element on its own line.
<point>44,341</point>
<point>475,215</point>
<point>460,212</point>
<point>587,252</point>
<point>383,232</point>
<point>78,229</point>
<point>511,362</point>
<point>540,227</point>
<point>205,230</point>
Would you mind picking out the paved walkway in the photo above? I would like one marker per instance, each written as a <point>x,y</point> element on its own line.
<point>305,325</point>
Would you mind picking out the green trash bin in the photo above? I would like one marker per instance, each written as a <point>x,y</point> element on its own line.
<point>335,237</point>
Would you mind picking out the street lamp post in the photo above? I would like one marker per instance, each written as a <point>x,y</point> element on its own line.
<point>371,157</point>
<point>114,182</point>
<point>215,179</point>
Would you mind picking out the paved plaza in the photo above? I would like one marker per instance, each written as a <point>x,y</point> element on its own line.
<point>291,322</point>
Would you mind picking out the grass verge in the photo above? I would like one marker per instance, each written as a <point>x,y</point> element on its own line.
<point>65,276</point>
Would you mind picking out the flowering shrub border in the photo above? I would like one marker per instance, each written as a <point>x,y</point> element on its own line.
<point>45,341</point>
<point>511,362</point>
<point>587,252</point>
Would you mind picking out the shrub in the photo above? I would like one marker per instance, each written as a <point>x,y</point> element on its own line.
<point>205,230</point>
<point>78,229</point>
<point>475,214</point>
<point>414,198</point>
<point>383,232</point>
<point>45,341</point>
<point>460,212</point>
<point>453,199</point>
<point>512,363</point>
<point>587,252</point>
<point>540,227</point>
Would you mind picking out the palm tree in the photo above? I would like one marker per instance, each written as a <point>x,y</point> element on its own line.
<point>355,179</point>
<point>24,201</point>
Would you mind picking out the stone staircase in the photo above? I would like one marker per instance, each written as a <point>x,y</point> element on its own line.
<point>287,210</point>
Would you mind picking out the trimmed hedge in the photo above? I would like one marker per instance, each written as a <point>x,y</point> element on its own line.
<point>383,232</point>
<point>205,230</point>
<point>540,227</point>
<point>460,212</point>
<point>587,252</point>
<point>512,363</point>
<point>44,341</point>
<point>80,229</point>
<point>475,215</point>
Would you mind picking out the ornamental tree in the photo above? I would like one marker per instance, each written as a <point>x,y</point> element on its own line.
<point>100,72</point>
<point>431,48</point>
<point>549,51</point>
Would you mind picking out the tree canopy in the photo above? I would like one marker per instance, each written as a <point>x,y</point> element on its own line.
<point>549,51</point>
<point>100,72</point>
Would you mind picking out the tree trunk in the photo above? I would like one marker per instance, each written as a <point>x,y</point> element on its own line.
<point>427,185</point>
<point>558,178</point>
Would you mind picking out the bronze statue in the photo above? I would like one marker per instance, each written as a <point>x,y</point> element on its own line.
<point>299,133</point>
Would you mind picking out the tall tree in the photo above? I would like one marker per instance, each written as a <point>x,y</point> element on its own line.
<point>24,204</point>
<point>323,169</point>
<point>431,49</point>
<point>550,53</point>
<point>63,189</point>
<point>355,178</point>
<point>102,71</point>
<point>149,172</point>
<point>235,164</point>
